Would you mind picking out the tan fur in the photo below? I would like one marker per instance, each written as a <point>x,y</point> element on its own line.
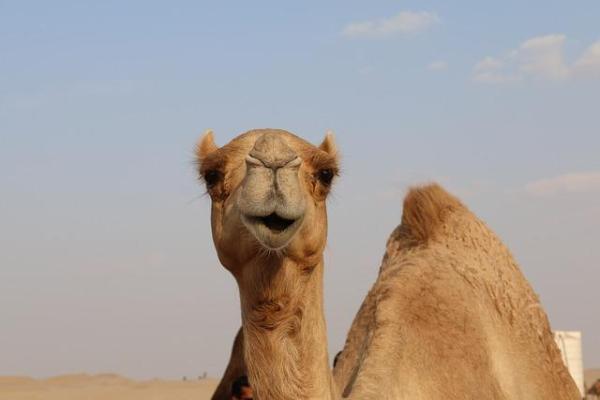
<point>328,144</point>
<point>206,145</point>
<point>425,212</point>
<point>450,315</point>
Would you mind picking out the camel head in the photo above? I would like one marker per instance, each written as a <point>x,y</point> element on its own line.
<point>268,190</point>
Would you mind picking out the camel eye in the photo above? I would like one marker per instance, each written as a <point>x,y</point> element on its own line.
<point>325,176</point>
<point>212,177</point>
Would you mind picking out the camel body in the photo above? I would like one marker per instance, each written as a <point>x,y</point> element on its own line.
<point>450,315</point>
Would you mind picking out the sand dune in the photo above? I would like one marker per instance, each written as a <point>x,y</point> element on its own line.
<point>103,387</point>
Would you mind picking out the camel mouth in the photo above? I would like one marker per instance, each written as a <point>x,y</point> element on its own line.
<point>275,223</point>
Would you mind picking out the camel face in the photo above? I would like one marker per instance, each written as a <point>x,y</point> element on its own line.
<point>268,190</point>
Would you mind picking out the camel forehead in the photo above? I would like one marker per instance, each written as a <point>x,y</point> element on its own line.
<point>243,143</point>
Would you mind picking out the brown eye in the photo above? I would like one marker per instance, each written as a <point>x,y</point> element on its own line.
<point>325,176</point>
<point>212,177</point>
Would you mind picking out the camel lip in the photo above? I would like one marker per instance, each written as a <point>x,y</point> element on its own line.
<point>272,231</point>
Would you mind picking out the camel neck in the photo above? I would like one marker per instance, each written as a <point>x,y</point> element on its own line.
<point>285,335</point>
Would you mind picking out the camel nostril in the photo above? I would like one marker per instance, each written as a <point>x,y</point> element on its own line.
<point>294,163</point>
<point>254,161</point>
<point>262,161</point>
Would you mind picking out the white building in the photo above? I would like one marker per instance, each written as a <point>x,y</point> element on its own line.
<point>569,343</point>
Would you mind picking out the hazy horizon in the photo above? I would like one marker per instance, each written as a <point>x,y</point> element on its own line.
<point>106,261</point>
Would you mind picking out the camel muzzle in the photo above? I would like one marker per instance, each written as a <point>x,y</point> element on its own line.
<point>271,200</point>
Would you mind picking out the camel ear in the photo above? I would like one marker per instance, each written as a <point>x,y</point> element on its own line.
<point>328,144</point>
<point>206,145</point>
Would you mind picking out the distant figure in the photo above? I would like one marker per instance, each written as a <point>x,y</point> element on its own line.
<point>336,358</point>
<point>241,389</point>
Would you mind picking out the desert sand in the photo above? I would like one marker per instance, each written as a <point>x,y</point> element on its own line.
<point>103,387</point>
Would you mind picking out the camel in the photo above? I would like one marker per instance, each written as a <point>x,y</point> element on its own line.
<point>235,368</point>
<point>450,315</point>
<point>594,390</point>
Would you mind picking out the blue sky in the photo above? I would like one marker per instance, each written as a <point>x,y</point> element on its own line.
<point>106,261</point>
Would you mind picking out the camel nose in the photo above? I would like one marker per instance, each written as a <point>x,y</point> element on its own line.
<point>272,151</point>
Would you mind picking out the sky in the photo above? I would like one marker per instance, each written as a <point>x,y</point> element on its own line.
<point>106,258</point>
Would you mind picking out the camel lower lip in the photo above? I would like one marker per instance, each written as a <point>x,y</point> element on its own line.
<point>272,231</point>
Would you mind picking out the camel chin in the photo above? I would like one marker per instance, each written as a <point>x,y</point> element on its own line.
<point>272,231</point>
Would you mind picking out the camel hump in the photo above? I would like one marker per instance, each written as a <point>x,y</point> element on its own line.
<point>426,208</point>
